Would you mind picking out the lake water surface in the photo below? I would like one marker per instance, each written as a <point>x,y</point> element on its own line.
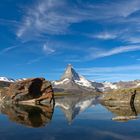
<point>72,118</point>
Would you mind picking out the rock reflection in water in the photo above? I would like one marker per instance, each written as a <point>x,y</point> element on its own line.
<point>31,116</point>
<point>72,106</point>
<point>123,111</point>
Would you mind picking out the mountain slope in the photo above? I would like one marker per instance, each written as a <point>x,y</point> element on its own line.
<point>128,84</point>
<point>71,81</point>
<point>5,79</point>
<point>5,82</point>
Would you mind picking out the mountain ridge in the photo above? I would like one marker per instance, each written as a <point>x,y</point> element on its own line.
<point>73,82</point>
<point>71,79</point>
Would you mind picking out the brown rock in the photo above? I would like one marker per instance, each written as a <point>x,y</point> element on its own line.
<point>117,96</point>
<point>30,90</point>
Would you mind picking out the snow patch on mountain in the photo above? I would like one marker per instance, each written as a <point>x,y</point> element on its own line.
<point>5,79</point>
<point>110,85</point>
<point>64,81</point>
<point>84,82</point>
<point>21,79</point>
<point>71,77</point>
<point>138,84</point>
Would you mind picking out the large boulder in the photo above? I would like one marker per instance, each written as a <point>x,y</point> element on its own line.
<point>29,90</point>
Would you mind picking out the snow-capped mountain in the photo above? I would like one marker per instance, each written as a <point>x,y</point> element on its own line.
<point>5,79</point>
<point>72,81</point>
<point>5,82</point>
<point>71,75</point>
<point>128,84</point>
<point>107,86</point>
<point>20,79</point>
<point>10,80</point>
<point>84,82</point>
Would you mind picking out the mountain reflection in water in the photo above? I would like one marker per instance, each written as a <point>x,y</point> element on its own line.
<point>71,106</point>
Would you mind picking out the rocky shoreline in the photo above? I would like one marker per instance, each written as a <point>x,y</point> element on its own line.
<point>124,95</point>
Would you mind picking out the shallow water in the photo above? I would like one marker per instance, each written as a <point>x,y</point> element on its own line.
<point>73,117</point>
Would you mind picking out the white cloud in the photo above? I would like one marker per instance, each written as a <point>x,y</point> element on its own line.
<point>122,49</point>
<point>110,69</point>
<point>115,73</point>
<point>47,49</point>
<point>5,50</point>
<point>55,17</point>
<point>133,39</point>
<point>35,60</point>
<point>105,35</point>
<point>114,77</point>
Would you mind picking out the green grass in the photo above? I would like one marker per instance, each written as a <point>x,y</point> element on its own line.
<point>124,90</point>
<point>56,94</point>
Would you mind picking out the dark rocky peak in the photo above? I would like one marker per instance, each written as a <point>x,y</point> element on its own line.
<point>70,73</point>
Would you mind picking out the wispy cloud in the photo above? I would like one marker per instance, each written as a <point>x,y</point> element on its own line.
<point>73,60</point>
<point>47,49</point>
<point>115,73</point>
<point>35,60</point>
<point>5,50</point>
<point>113,77</point>
<point>109,69</point>
<point>105,35</point>
<point>112,74</point>
<point>132,39</point>
<point>122,49</point>
<point>55,17</point>
<point>9,22</point>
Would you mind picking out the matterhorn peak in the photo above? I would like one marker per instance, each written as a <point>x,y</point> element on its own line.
<point>71,81</point>
<point>70,73</point>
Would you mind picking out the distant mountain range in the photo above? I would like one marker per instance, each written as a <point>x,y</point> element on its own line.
<point>73,82</point>
<point>5,81</point>
<point>10,80</point>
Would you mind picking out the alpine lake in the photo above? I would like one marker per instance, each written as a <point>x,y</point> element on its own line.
<point>72,117</point>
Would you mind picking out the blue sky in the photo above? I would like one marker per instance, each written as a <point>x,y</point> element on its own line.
<point>100,38</point>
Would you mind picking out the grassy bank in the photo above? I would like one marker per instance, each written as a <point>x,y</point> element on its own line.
<point>123,91</point>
